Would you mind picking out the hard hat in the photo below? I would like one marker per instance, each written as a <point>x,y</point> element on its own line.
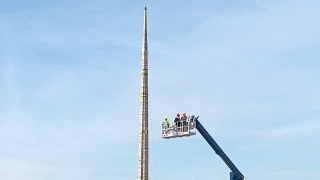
<point>166,117</point>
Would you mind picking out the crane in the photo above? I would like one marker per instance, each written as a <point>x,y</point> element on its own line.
<point>188,128</point>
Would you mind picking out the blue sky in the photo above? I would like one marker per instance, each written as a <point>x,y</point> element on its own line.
<point>69,88</point>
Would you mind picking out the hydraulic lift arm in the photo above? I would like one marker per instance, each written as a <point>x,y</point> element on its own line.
<point>235,174</point>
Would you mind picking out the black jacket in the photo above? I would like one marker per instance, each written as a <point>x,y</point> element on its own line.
<point>177,119</point>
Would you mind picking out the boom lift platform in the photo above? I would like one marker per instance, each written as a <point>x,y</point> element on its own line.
<point>179,129</point>
<point>188,128</point>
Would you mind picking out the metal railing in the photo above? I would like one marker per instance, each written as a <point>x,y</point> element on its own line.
<point>179,127</point>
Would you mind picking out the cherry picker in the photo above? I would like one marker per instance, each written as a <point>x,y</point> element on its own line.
<point>188,128</point>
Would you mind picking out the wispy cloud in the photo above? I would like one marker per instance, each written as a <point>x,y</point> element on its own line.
<point>70,87</point>
<point>293,130</point>
<point>9,76</point>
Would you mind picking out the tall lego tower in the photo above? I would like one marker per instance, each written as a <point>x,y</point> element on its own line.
<point>144,137</point>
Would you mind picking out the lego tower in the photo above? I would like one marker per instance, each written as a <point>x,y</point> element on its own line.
<point>144,137</point>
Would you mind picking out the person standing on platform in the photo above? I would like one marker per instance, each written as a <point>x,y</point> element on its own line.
<point>177,121</point>
<point>184,122</point>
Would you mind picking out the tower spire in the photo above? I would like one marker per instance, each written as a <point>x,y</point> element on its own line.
<point>143,136</point>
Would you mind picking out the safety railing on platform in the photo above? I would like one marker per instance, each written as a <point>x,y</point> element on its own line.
<point>179,128</point>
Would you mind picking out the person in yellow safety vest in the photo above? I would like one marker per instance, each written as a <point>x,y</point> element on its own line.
<point>166,122</point>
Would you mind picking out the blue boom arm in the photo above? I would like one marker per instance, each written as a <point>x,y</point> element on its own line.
<point>235,174</point>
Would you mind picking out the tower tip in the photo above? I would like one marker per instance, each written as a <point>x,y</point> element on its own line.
<point>145,7</point>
